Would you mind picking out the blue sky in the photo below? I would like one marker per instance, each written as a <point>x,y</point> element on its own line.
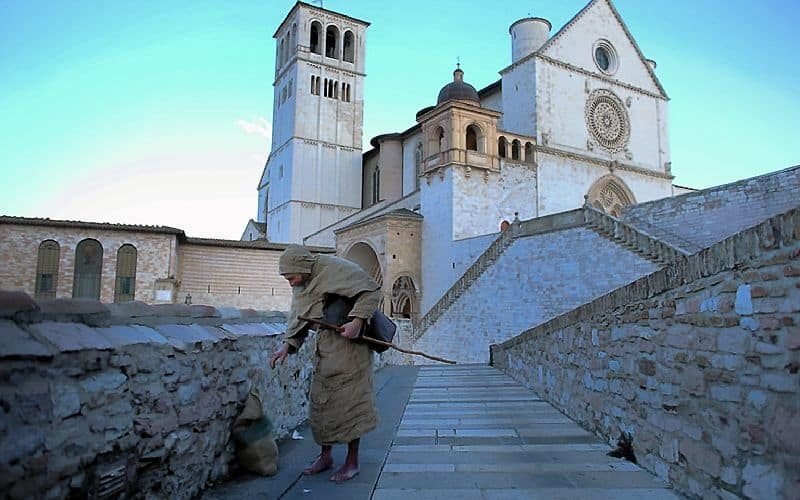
<point>153,112</point>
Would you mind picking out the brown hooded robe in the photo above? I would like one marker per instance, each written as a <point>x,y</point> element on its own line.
<point>342,401</point>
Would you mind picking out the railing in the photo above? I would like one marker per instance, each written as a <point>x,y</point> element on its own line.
<point>635,239</point>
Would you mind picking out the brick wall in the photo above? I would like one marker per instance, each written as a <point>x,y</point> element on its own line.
<point>698,360</point>
<point>20,246</point>
<point>233,277</point>
<point>697,220</point>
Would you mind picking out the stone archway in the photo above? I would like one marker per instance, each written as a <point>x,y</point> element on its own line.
<point>610,194</point>
<point>404,297</point>
<point>363,255</point>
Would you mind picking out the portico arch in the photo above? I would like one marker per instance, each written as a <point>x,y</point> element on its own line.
<point>610,194</point>
<point>365,256</point>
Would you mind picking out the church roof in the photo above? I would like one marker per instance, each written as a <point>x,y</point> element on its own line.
<point>458,89</point>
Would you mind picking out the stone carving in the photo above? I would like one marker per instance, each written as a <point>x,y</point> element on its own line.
<point>607,120</point>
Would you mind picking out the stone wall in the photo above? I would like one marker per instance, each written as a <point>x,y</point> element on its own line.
<point>133,394</point>
<point>699,361</point>
<point>699,219</point>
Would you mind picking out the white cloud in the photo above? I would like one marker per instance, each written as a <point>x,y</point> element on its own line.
<point>258,126</point>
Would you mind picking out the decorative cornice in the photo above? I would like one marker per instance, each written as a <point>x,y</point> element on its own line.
<point>615,164</point>
<point>599,76</point>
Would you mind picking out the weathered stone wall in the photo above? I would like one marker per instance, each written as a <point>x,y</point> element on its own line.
<point>698,360</point>
<point>87,389</point>
<point>699,219</point>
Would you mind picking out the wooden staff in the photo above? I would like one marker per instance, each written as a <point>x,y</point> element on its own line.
<point>376,341</point>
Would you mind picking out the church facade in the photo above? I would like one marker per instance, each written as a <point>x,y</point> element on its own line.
<point>578,116</point>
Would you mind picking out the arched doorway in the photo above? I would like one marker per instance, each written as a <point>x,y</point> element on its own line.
<point>610,194</point>
<point>363,255</point>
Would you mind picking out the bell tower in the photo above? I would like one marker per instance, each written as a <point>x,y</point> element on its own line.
<point>312,177</point>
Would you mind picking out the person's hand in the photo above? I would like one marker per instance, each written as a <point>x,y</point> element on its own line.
<point>279,355</point>
<point>352,329</point>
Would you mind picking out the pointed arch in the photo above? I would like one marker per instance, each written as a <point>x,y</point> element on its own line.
<point>610,194</point>
<point>502,145</point>
<point>515,147</point>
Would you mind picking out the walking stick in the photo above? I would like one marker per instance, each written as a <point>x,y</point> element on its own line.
<point>376,341</point>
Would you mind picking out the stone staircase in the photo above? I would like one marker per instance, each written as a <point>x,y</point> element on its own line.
<point>486,259</point>
<point>634,239</point>
<point>603,224</point>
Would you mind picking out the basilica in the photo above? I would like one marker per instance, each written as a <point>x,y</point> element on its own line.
<point>577,117</point>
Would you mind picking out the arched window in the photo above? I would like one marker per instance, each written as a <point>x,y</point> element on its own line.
<point>88,270</point>
<point>515,150</point>
<point>47,270</point>
<point>472,138</point>
<point>403,297</point>
<point>417,164</point>
<point>376,185</point>
<point>293,39</point>
<point>332,42</point>
<point>529,152</point>
<point>125,286</point>
<point>437,141</point>
<point>348,46</point>
<point>610,194</point>
<point>501,147</point>
<point>282,53</point>
<point>314,44</point>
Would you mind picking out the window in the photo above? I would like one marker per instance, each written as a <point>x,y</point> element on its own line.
<point>417,164</point>
<point>501,147</point>
<point>47,270</point>
<point>282,53</point>
<point>348,93</point>
<point>529,152</point>
<point>515,150</point>
<point>348,46</point>
<point>605,57</point>
<point>437,140</point>
<point>376,185</point>
<point>332,42</point>
<point>314,44</point>
<point>473,136</point>
<point>125,286</point>
<point>280,172</point>
<point>289,88</point>
<point>312,84</point>
<point>88,269</point>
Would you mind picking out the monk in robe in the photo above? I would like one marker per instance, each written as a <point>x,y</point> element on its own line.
<point>342,403</point>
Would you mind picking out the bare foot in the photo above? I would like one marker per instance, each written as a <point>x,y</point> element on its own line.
<point>345,473</point>
<point>321,464</point>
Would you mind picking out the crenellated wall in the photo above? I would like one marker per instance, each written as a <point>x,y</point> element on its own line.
<point>131,395</point>
<point>698,360</point>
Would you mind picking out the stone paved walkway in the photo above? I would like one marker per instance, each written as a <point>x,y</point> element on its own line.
<point>466,432</point>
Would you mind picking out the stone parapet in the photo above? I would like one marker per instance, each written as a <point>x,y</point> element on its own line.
<point>698,360</point>
<point>133,397</point>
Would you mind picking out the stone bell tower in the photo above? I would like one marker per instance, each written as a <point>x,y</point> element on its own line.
<point>313,174</point>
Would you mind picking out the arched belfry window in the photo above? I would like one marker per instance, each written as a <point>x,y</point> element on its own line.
<point>314,43</point>
<point>347,48</point>
<point>332,42</point>
<point>501,146</point>
<point>125,283</point>
<point>88,270</point>
<point>47,270</point>
<point>515,150</point>
<point>376,185</point>
<point>437,142</point>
